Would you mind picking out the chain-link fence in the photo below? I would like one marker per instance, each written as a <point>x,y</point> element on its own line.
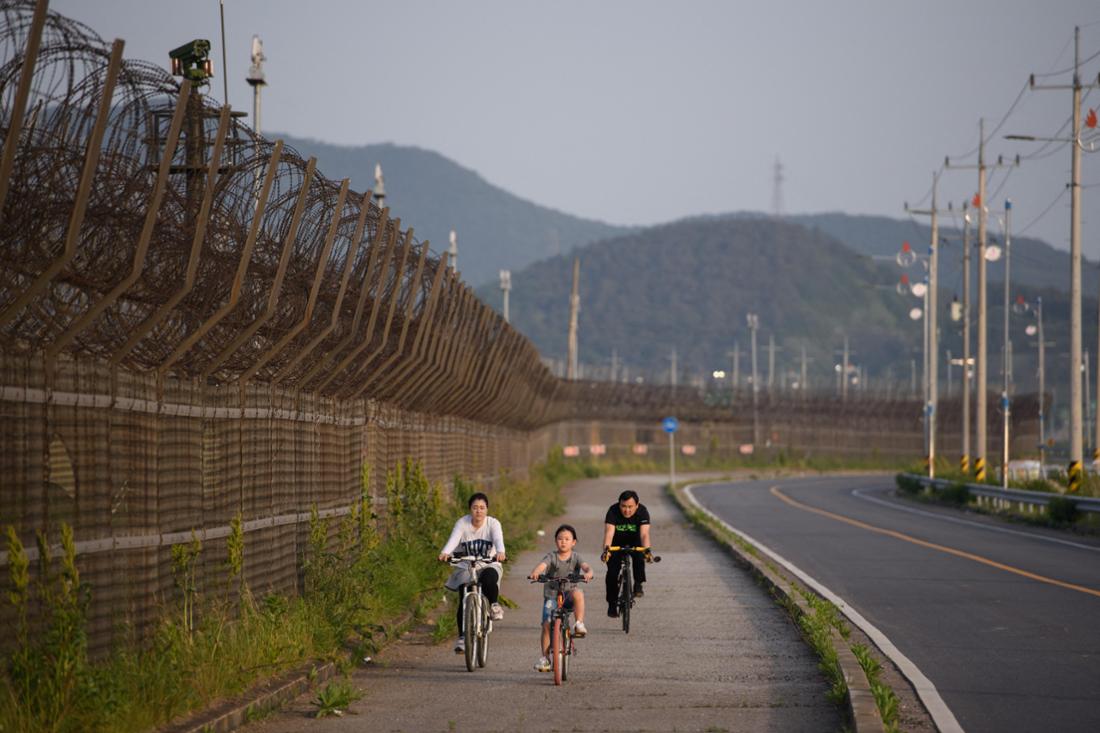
<point>195,323</point>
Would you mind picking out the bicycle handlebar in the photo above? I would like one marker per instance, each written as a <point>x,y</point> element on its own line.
<point>650,557</point>
<point>571,578</point>
<point>453,560</point>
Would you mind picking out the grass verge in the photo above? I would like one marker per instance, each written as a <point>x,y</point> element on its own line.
<point>360,573</point>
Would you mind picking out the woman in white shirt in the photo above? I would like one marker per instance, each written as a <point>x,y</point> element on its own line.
<point>480,535</point>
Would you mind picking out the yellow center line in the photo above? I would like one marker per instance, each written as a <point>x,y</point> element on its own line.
<point>932,545</point>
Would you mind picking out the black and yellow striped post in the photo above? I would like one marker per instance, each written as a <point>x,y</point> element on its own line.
<point>964,465</point>
<point>979,469</point>
<point>1075,476</point>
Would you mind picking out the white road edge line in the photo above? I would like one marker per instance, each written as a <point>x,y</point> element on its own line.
<point>858,493</point>
<point>941,714</point>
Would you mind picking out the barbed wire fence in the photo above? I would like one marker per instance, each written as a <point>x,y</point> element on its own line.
<point>196,323</point>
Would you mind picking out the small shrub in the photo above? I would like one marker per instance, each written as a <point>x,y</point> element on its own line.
<point>958,494</point>
<point>1036,484</point>
<point>908,484</point>
<point>1062,510</point>
<point>591,470</point>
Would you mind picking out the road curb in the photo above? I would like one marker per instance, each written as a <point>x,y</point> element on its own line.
<point>863,713</point>
<point>271,694</point>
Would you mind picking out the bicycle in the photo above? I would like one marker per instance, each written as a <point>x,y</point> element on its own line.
<point>477,623</point>
<point>562,644</point>
<point>626,580</point>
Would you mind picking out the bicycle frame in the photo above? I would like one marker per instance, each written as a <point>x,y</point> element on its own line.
<point>477,623</point>
<point>562,643</point>
<point>626,579</point>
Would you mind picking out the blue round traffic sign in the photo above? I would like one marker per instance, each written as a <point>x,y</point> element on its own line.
<point>670,424</point>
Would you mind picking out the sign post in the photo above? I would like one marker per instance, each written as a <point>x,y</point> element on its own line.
<point>671,425</point>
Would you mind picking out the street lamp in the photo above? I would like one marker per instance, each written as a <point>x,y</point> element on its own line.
<point>505,288</point>
<point>753,322</point>
<point>256,79</point>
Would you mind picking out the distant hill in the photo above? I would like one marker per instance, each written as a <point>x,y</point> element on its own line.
<point>496,230</point>
<point>1034,262</point>
<point>688,285</point>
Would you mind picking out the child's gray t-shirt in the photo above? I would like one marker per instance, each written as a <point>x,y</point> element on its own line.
<point>558,568</point>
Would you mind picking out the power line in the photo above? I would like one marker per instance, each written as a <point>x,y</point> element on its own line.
<point>1045,212</point>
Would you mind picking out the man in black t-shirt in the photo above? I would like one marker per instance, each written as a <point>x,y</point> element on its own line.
<point>626,525</point>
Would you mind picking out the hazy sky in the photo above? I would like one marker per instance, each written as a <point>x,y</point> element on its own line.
<point>641,112</point>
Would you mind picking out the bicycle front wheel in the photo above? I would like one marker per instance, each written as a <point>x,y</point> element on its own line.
<point>471,622</point>
<point>483,637</point>
<point>626,593</point>
<point>566,654</point>
<point>556,651</point>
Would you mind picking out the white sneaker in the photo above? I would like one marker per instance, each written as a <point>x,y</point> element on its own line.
<point>460,646</point>
<point>543,665</point>
<point>579,631</point>
<point>496,612</point>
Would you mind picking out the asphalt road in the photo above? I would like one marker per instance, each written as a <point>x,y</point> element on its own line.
<point>708,650</point>
<point>1002,618</point>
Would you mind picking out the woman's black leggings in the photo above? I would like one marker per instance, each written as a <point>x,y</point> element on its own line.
<point>489,586</point>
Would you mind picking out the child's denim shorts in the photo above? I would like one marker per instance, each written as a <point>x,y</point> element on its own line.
<point>549,604</point>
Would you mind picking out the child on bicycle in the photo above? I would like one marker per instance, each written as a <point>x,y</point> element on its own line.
<point>560,563</point>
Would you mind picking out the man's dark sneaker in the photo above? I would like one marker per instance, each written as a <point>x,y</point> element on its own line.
<point>612,610</point>
<point>638,592</point>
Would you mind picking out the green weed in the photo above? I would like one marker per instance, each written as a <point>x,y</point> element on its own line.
<point>335,698</point>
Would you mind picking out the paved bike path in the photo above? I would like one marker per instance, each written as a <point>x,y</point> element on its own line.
<point>708,650</point>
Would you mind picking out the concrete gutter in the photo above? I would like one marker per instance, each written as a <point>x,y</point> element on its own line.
<point>862,711</point>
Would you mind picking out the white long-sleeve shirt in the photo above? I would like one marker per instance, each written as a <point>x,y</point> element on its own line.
<point>483,541</point>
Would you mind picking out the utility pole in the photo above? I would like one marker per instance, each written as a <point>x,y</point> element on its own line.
<point>574,308</point>
<point>736,353</point>
<point>505,289</point>
<point>1042,385</point>
<point>983,311</point>
<point>754,323</point>
<point>983,315</point>
<point>950,387</point>
<point>931,333</point>
<point>771,364</point>
<point>964,461</point>
<point>1085,379</point>
<point>802,377</point>
<point>844,372</point>
<point>672,368</point>
<point>1076,451</point>
<point>1005,401</point>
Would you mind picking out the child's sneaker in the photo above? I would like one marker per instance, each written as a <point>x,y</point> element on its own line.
<point>579,631</point>
<point>496,612</point>
<point>460,646</point>
<point>543,665</point>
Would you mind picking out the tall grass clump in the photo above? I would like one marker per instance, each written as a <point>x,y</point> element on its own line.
<point>360,572</point>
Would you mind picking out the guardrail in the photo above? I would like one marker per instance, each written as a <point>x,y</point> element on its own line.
<point>1019,496</point>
